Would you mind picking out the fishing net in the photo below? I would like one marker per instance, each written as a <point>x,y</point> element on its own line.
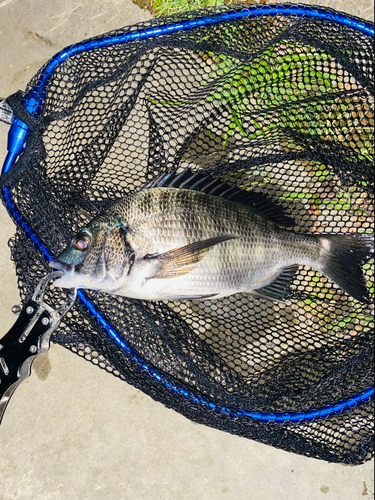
<point>264,98</point>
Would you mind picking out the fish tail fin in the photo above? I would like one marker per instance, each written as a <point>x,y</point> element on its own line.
<point>342,258</point>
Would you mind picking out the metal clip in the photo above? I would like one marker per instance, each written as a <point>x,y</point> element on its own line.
<point>28,337</point>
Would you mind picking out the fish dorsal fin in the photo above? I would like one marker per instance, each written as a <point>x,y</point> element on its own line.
<point>206,184</point>
<point>280,288</point>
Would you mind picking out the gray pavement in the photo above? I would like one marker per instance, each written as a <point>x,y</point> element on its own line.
<point>73,431</point>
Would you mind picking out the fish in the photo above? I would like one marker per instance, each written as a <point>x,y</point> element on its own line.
<point>188,236</point>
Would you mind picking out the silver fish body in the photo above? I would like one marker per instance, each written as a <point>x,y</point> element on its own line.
<point>172,243</point>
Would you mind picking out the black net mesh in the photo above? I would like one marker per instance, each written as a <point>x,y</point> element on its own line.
<point>281,105</point>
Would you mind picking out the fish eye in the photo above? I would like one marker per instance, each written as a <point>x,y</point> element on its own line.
<point>82,242</point>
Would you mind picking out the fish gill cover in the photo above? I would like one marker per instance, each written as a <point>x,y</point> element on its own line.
<point>278,104</point>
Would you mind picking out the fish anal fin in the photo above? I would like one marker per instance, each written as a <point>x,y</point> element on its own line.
<point>180,261</point>
<point>280,288</point>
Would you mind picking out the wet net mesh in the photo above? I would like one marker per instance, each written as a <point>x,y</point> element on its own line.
<point>281,105</point>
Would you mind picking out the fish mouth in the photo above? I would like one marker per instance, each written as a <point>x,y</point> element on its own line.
<point>72,278</point>
<point>68,277</point>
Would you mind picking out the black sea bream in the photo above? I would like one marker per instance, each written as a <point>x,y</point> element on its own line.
<point>189,236</point>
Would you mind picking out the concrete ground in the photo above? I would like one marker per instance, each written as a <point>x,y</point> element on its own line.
<point>73,431</point>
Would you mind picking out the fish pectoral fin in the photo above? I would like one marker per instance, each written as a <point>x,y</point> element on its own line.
<point>280,288</point>
<point>180,261</point>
